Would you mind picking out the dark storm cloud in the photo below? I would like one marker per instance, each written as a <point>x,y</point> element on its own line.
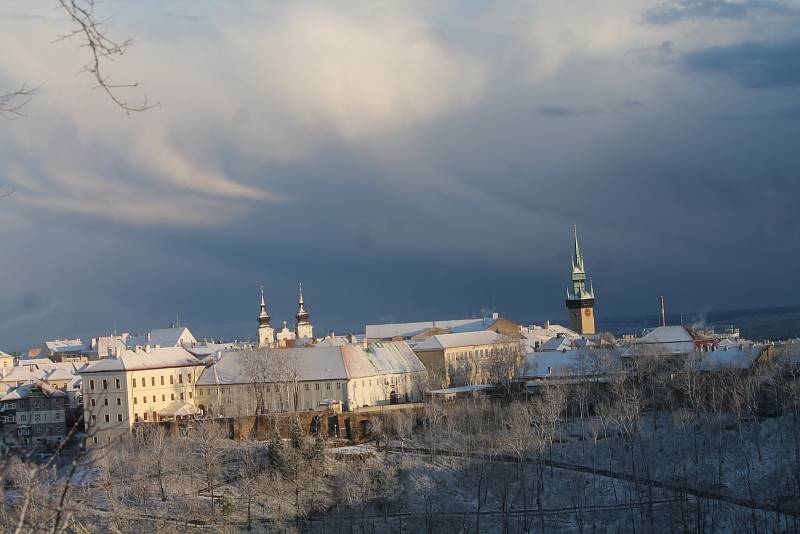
<point>405,182</point>
<point>750,64</point>
<point>676,11</point>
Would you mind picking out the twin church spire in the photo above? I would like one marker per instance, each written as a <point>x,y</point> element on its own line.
<point>266,334</point>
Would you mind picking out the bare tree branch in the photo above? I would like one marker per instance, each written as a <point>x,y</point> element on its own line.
<point>11,104</point>
<point>102,49</point>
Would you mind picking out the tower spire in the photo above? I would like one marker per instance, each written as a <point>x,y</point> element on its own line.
<point>577,261</point>
<point>303,327</point>
<point>263,316</point>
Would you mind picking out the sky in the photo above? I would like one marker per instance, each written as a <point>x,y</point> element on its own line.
<point>404,160</point>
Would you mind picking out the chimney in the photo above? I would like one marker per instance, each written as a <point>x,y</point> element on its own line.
<point>662,317</point>
<point>547,324</point>
<point>495,316</point>
<point>147,348</point>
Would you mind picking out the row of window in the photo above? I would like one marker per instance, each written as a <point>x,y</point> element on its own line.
<point>37,418</point>
<point>107,418</point>
<point>161,380</point>
<point>143,381</point>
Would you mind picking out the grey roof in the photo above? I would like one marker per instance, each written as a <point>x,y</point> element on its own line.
<point>321,363</point>
<point>463,339</point>
<point>66,345</point>
<point>392,330</point>
<point>157,358</point>
<point>23,391</point>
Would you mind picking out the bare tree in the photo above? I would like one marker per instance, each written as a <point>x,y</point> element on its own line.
<point>92,35</point>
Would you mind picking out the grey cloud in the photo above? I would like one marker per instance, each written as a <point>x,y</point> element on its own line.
<point>750,64</point>
<point>677,11</point>
<point>560,112</point>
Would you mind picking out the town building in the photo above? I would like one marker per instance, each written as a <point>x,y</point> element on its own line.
<point>580,299</point>
<point>308,378</point>
<point>151,384</point>
<point>6,360</point>
<point>33,415</point>
<point>65,350</point>
<point>468,358</point>
<point>420,331</point>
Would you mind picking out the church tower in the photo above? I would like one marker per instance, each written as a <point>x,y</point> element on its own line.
<point>580,299</point>
<point>266,335</point>
<point>303,327</point>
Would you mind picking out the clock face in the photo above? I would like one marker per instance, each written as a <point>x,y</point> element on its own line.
<point>587,312</point>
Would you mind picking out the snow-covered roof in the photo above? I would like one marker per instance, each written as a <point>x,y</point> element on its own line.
<point>559,344</point>
<point>24,391</point>
<point>5,355</point>
<point>666,339</point>
<point>388,357</point>
<point>23,374</point>
<point>178,409</point>
<point>33,361</point>
<point>406,330</point>
<point>321,363</point>
<point>463,339</point>
<point>157,358</point>
<point>740,356</point>
<point>541,334</point>
<point>570,363</point>
<point>66,345</point>
<point>206,348</point>
<point>163,337</point>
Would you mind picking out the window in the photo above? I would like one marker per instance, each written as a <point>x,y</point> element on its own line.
<point>316,386</point>
<point>171,396</point>
<point>134,400</point>
<point>94,439</point>
<point>154,398</point>
<point>105,384</point>
<point>92,418</point>
<point>119,401</point>
<point>171,379</point>
<point>105,402</point>
<point>143,382</point>
<point>338,385</point>
<point>145,416</point>
<point>108,419</point>
<point>37,417</point>
<point>162,380</point>
<point>134,382</point>
<point>136,418</point>
<point>93,403</point>
<point>91,385</point>
<point>180,379</point>
<point>268,389</point>
<point>305,386</point>
<point>116,383</point>
<point>182,396</point>
<point>190,394</point>
<point>327,385</point>
<point>163,398</point>
<point>119,417</point>
<point>152,381</point>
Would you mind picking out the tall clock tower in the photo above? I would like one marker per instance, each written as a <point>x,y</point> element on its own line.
<point>580,299</point>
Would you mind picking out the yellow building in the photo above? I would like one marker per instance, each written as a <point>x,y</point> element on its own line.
<point>467,358</point>
<point>6,360</point>
<point>153,384</point>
